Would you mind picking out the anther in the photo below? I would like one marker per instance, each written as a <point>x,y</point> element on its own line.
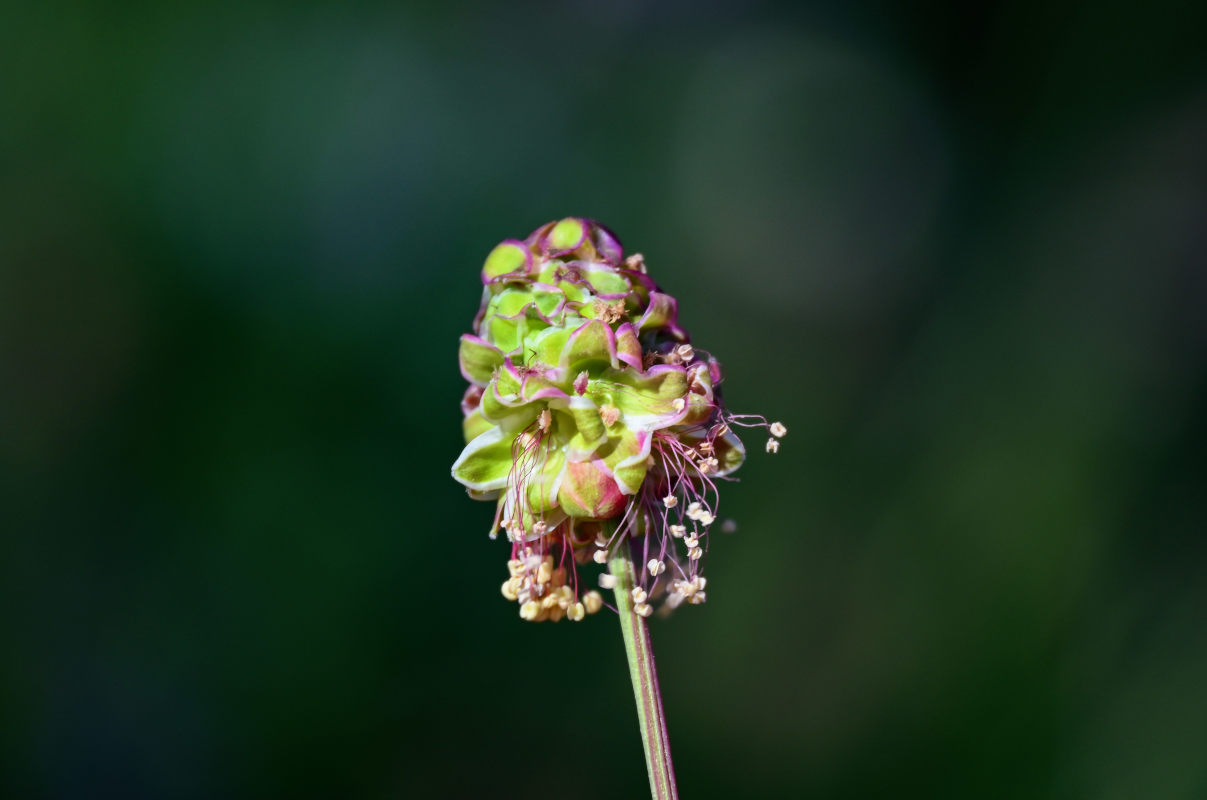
<point>656,567</point>
<point>777,429</point>
<point>773,445</point>
<point>678,530</point>
<point>639,595</point>
<point>643,609</point>
<point>609,414</point>
<point>576,612</point>
<point>607,580</point>
<point>695,553</point>
<point>600,556</point>
<point>529,610</point>
<point>670,501</point>
<point>592,601</point>
<point>678,404</point>
<point>544,420</point>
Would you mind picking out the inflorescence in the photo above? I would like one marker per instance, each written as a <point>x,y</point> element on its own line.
<point>594,423</point>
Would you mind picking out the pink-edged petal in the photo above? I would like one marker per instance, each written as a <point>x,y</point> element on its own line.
<point>607,244</point>
<point>662,313</point>
<point>592,344</point>
<point>588,491</point>
<point>478,359</point>
<point>509,260</point>
<point>628,347</point>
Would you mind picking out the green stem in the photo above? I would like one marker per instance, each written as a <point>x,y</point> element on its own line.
<point>645,680</point>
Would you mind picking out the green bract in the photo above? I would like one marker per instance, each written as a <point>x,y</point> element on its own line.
<point>587,404</point>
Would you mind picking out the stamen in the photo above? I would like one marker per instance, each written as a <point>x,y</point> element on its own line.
<point>609,414</point>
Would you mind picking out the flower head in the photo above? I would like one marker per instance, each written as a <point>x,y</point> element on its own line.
<point>592,421</point>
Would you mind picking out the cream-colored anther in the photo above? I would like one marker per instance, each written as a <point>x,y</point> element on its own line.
<point>694,509</point>
<point>691,541</point>
<point>643,609</point>
<point>678,531</point>
<point>600,556</point>
<point>670,501</point>
<point>607,580</point>
<point>678,404</point>
<point>639,595</point>
<point>685,352</point>
<point>530,610</point>
<point>592,601</point>
<point>656,567</point>
<point>576,612</point>
<point>510,590</point>
<point>515,567</point>
<point>540,527</point>
<point>609,414</point>
<point>777,429</point>
<point>695,553</point>
<point>698,598</point>
<point>773,445</point>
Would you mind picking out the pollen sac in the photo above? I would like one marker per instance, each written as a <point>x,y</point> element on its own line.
<point>588,408</point>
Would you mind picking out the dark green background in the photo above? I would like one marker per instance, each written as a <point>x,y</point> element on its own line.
<point>957,248</point>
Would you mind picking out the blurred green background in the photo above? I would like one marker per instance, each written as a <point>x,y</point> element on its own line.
<point>956,248</point>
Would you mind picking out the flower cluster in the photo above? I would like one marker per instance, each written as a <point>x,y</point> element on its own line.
<point>593,422</point>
